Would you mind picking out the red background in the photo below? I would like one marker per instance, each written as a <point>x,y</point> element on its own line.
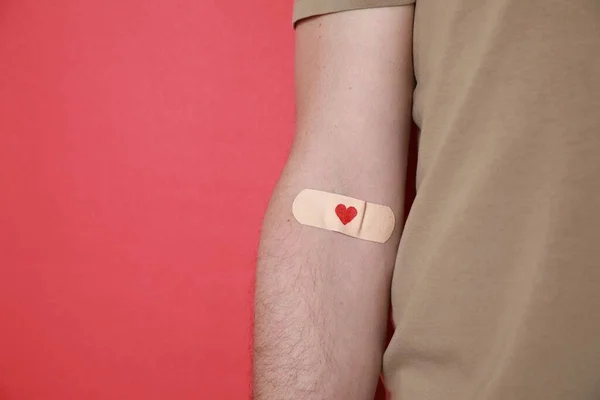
<point>139,143</point>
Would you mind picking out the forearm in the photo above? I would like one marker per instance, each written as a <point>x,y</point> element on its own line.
<point>322,298</point>
<point>320,318</point>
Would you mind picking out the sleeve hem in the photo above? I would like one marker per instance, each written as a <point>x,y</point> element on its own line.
<point>309,8</point>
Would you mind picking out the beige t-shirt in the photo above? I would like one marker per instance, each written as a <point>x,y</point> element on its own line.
<point>496,290</point>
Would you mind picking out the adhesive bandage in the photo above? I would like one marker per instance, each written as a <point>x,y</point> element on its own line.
<point>352,217</point>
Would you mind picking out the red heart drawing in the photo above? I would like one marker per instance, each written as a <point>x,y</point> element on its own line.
<point>345,214</point>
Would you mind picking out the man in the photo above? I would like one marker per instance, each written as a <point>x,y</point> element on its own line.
<point>495,276</point>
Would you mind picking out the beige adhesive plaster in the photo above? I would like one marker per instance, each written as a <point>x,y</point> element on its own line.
<point>316,208</point>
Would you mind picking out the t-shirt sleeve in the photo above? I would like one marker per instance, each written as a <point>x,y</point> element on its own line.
<point>310,8</point>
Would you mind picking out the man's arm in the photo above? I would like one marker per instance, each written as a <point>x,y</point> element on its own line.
<point>322,298</point>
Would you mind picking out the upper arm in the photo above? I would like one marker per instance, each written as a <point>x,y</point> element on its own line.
<point>354,83</point>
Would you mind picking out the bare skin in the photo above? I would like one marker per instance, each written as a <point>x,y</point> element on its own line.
<point>322,298</point>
